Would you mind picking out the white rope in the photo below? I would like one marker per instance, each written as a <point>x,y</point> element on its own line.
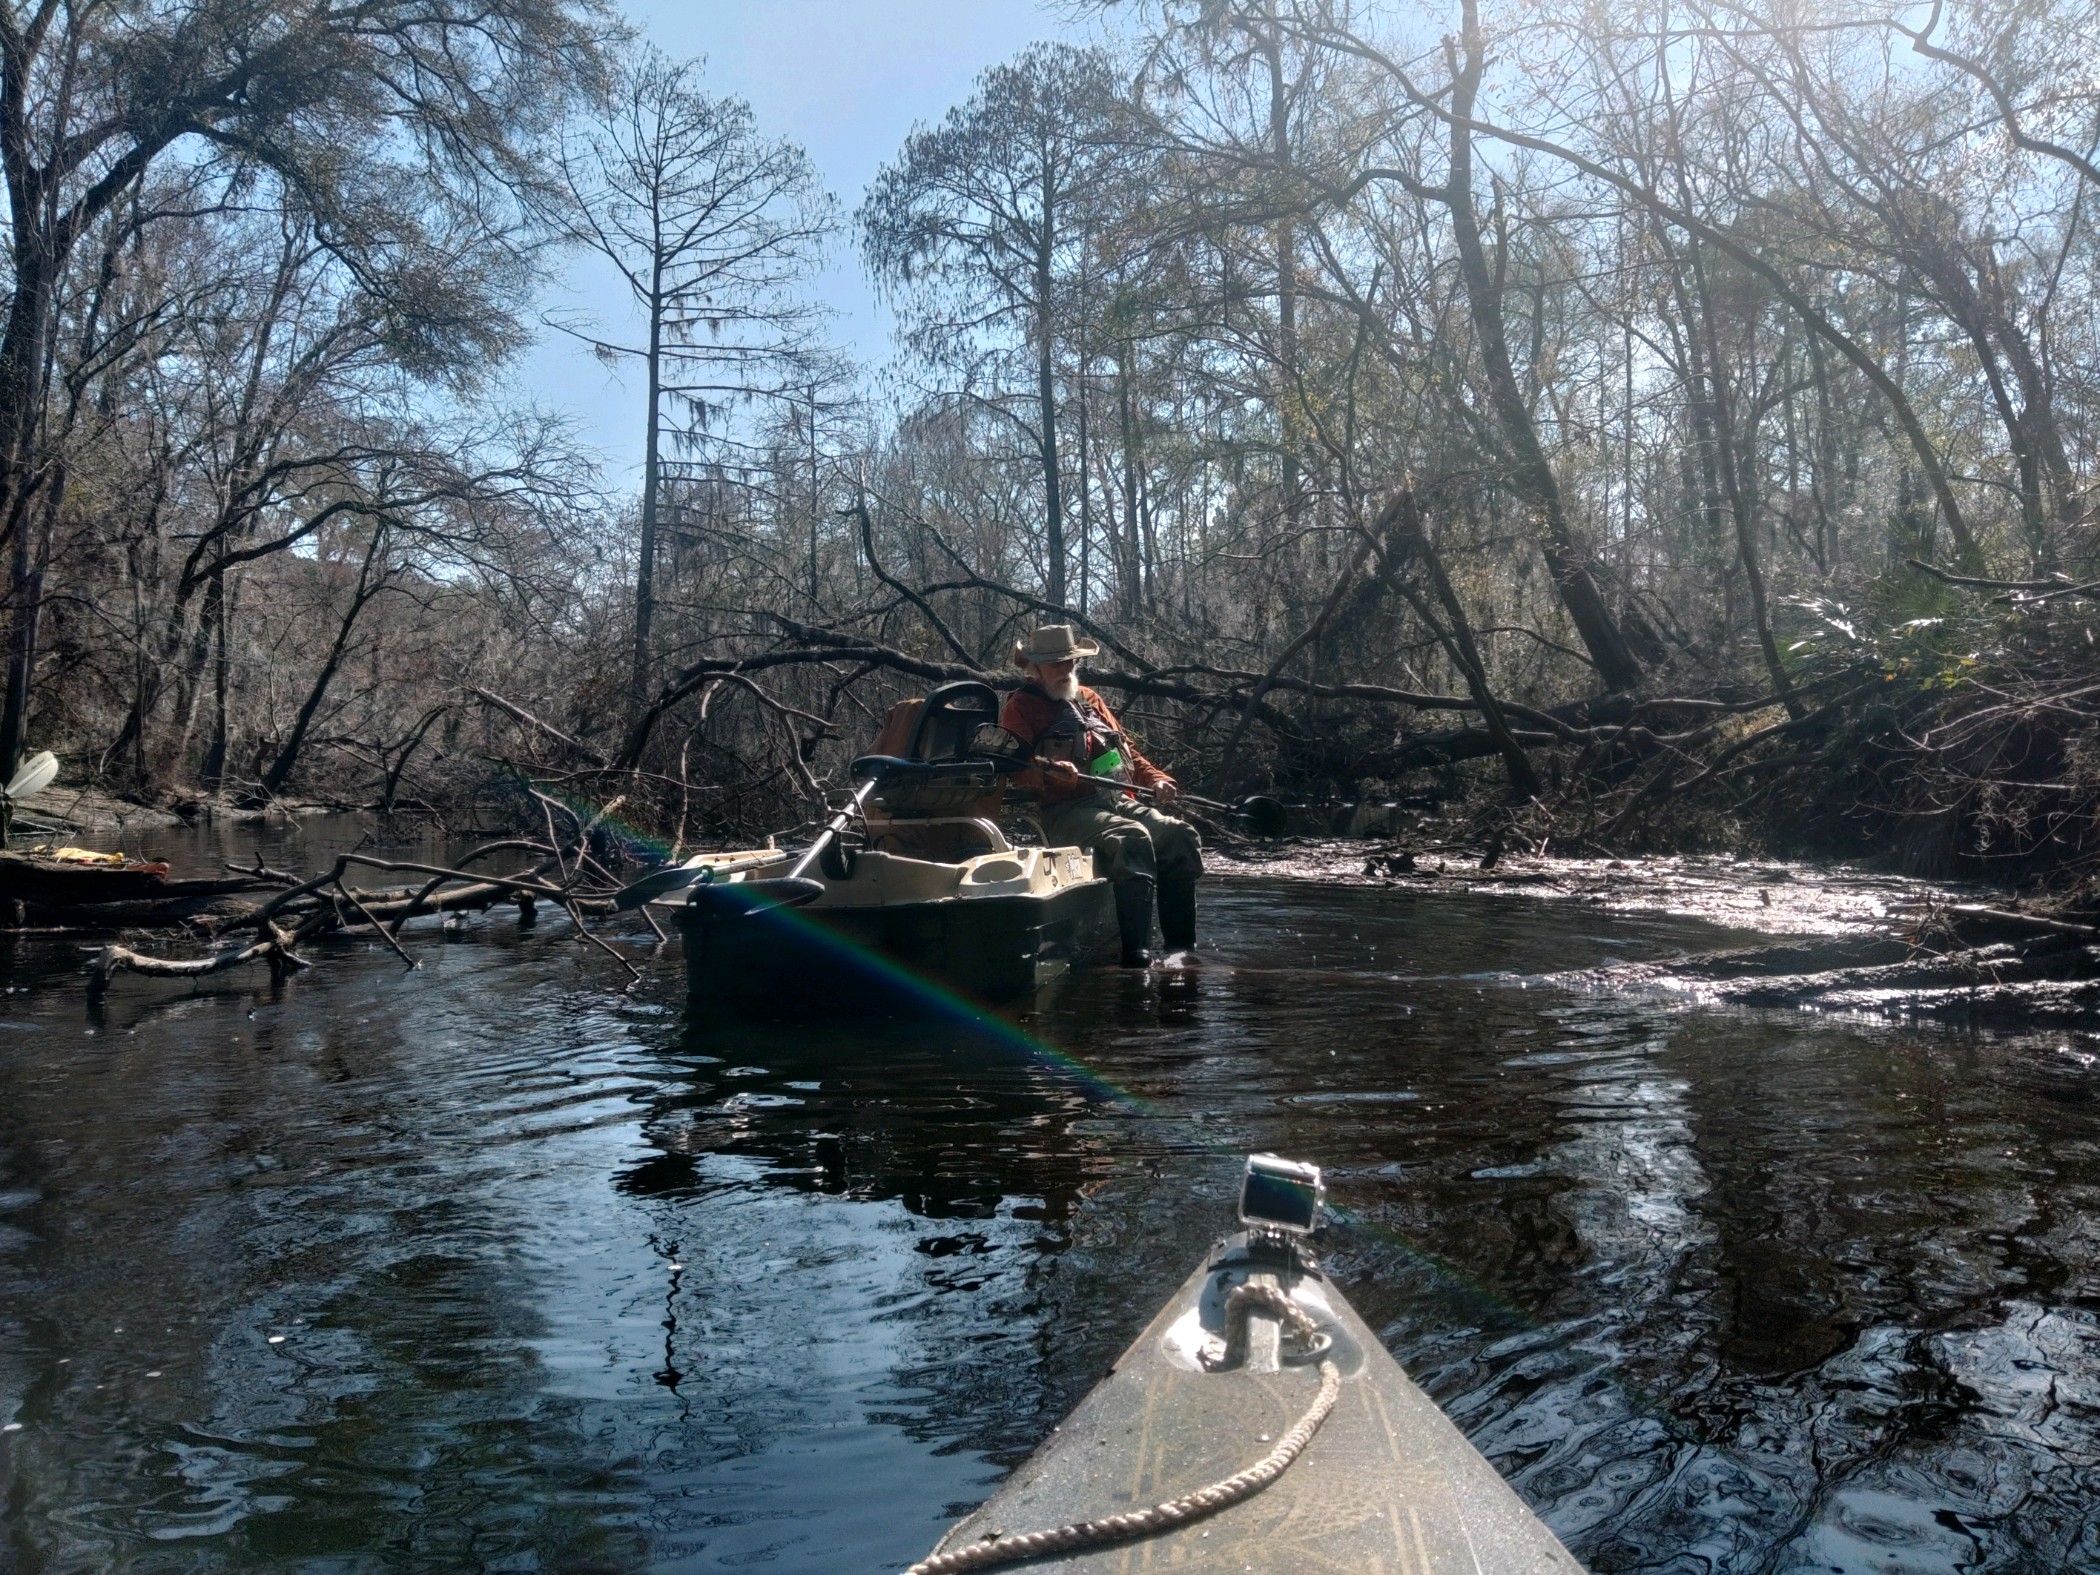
<point>998,1549</point>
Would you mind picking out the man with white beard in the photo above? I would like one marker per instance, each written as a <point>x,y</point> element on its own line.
<point>1085,769</point>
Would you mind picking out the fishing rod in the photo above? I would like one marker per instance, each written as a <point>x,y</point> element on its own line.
<point>1265,817</point>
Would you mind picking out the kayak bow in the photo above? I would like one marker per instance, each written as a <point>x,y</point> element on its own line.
<point>1173,1450</point>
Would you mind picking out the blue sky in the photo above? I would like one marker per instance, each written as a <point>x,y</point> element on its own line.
<point>845,78</point>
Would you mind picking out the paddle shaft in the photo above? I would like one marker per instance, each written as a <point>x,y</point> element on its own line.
<point>830,833</point>
<point>664,882</point>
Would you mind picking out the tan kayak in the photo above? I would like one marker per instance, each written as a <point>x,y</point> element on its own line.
<point>1385,1485</point>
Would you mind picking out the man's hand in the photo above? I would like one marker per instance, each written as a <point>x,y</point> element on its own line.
<point>1165,791</point>
<point>1062,772</point>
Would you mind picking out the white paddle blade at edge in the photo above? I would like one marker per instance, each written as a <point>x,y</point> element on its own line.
<point>37,773</point>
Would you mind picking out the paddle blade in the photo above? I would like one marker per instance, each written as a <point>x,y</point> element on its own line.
<point>38,772</point>
<point>660,884</point>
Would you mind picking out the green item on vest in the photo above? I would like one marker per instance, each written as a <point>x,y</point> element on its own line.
<point>1107,765</point>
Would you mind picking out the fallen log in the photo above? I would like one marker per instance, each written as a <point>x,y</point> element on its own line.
<point>44,882</point>
<point>211,913</point>
<point>47,893</point>
<point>275,949</point>
<point>2024,921</point>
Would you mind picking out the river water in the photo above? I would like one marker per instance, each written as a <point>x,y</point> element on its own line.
<point>493,1266</point>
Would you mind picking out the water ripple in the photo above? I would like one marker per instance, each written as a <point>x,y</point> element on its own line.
<point>491,1266</point>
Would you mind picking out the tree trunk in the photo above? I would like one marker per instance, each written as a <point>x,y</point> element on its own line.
<point>1747,549</point>
<point>392,772</point>
<point>279,770</point>
<point>1046,395</point>
<point>1129,549</point>
<point>1086,493</point>
<point>218,607</point>
<point>1286,385</point>
<point>815,600</point>
<point>1709,400</point>
<point>1616,662</point>
<point>22,369</point>
<point>26,600</point>
<point>652,493</point>
<point>1402,520</point>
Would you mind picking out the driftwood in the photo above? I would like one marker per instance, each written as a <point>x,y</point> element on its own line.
<point>2012,919</point>
<point>51,895</point>
<point>328,903</point>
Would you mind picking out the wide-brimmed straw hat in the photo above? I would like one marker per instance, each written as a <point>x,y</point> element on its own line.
<point>1054,642</point>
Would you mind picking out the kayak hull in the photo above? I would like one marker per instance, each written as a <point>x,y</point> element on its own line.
<point>1387,1483</point>
<point>844,958</point>
<point>58,883</point>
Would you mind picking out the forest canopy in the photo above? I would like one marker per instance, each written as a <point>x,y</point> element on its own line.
<point>1666,421</point>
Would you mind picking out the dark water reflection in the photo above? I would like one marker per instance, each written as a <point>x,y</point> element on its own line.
<point>490,1267</point>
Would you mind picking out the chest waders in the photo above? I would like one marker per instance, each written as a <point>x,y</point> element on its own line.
<point>1177,914</point>
<point>1134,920</point>
<point>1084,739</point>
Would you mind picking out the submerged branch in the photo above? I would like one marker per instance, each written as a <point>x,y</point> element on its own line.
<point>314,906</point>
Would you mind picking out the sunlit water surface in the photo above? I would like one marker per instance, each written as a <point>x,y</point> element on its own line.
<point>493,1267</point>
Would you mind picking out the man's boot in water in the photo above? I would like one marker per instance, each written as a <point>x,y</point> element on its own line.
<point>1134,919</point>
<point>1177,915</point>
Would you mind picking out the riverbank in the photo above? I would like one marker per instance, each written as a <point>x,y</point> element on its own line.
<point>66,811</point>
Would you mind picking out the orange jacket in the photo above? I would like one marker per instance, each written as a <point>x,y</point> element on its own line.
<point>1039,722</point>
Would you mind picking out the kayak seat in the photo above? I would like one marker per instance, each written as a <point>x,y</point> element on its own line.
<point>932,798</point>
<point>912,789</point>
<point>950,718</point>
